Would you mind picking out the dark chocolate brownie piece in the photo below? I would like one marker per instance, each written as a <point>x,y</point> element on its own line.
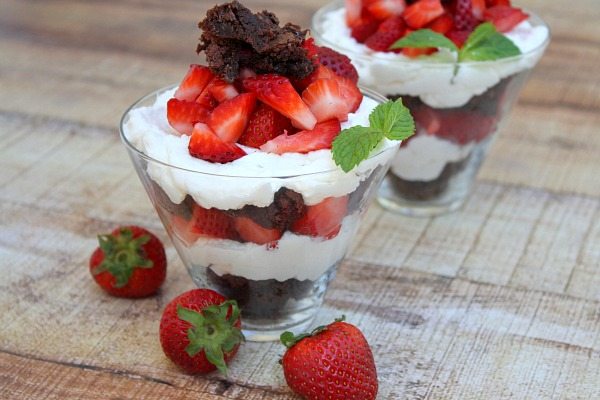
<point>233,38</point>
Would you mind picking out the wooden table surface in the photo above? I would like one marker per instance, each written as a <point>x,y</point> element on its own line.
<point>498,301</point>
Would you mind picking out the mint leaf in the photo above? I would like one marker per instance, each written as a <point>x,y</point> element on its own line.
<point>424,38</point>
<point>393,119</point>
<point>485,43</point>
<point>353,145</point>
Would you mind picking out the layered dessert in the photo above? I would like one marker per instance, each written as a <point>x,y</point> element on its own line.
<point>249,162</point>
<point>458,65</point>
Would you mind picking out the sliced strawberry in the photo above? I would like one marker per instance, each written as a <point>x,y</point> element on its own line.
<point>206,99</point>
<point>251,231</point>
<point>327,99</point>
<point>421,13</point>
<point>213,222</point>
<point>265,124</point>
<point>323,219</point>
<point>353,11</point>
<point>458,37</point>
<point>222,90</point>
<point>184,229</point>
<point>312,50</point>
<point>351,93</point>
<point>383,9</point>
<point>338,63</point>
<point>182,115</point>
<point>457,126</point>
<point>505,18</point>
<point>493,3</point>
<point>414,52</point>
<point>305,141</point>
<point>206,145</point>
<point>193,83</point>
<point>388,32</point>
<point>320,72</point>
<point>364,28</point>
<point>278,92</point>
<point>442,24</point>
<point>230,118</point>
<point>464,19</point>
<point>478,8</point>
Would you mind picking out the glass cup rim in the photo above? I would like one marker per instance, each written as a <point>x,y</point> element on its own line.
<point>426,62</point>
<point>154,94</point>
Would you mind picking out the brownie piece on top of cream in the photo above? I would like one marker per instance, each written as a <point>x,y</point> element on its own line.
<point>261,174</point>
<point>431,52</point>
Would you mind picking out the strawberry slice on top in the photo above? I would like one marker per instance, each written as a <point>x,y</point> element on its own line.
<point>338,63</point>
<point>230,118</point>
<point>505,18</point>
<point>194,82</point>
<point>278,92</point>
<point>383,9</point>
<point>265,124</point>
<point>421,13</point>
<point>182,115</point>
<point>222,90</point>
<point>305,141</point>
<point>327,99</point>
<point>206,145</point>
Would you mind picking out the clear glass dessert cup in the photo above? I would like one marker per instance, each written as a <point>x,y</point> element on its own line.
<point>279,284</point>
<point>458,110</point>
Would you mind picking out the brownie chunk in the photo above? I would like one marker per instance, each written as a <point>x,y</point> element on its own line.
<point>234,38</point>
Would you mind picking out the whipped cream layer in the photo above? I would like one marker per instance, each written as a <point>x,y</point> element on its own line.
<point>295,257</point>
<point>431,78</point>
<point>248,180</point>
<point>425,156</point>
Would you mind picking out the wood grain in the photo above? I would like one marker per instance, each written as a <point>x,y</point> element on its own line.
<point>498,301</point>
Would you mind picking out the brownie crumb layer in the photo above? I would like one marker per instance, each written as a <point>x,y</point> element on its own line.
<point>234,38</point>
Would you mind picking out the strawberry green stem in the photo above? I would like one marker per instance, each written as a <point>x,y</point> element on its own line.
<point>288,339</point>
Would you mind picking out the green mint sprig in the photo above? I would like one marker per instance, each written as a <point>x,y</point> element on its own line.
<point>390,120</point>
<point>485,43</point>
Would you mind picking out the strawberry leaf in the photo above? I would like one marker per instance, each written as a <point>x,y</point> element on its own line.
<point>424,38</point>
<point>487,44</point>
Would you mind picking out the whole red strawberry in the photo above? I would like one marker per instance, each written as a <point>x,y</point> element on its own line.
<point>130,262</point>
<point>200,331</point>
<point>334,362</point>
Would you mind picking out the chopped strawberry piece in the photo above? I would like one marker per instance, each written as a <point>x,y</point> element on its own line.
<point>442,24</point>
<point>388,32</point>
<point>277,92</point>
<point>421,13</point>
<point>206,99</point>
<point>505,18</point>
<point>383,9</point>
<point>323,219</point>
<point>493,3</point>
<point>320,72</point>
<point>184,229</point>
<point>222,90</point>
<point>265,124</point>
<point>353,11</point>
<point>478,8</point>
<point>312,50</point>
<point>458,37</point>
<point>364,28</point>
<point>206,145</point>
<point>182,115</point>
<point>338,63</point>
<point>305,141</point>
<point>230,118</point>
<point>213,222</point>
<point>327,100</point>
<point>351,93</point>
<point>464,19</point>
<point>251,231</point>
<point>194,82</point>
<point>414,52</point>
<point>456,126</point>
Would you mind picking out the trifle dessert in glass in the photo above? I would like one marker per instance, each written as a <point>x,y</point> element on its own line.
<point>458,65</point>
<point>261,163</point>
